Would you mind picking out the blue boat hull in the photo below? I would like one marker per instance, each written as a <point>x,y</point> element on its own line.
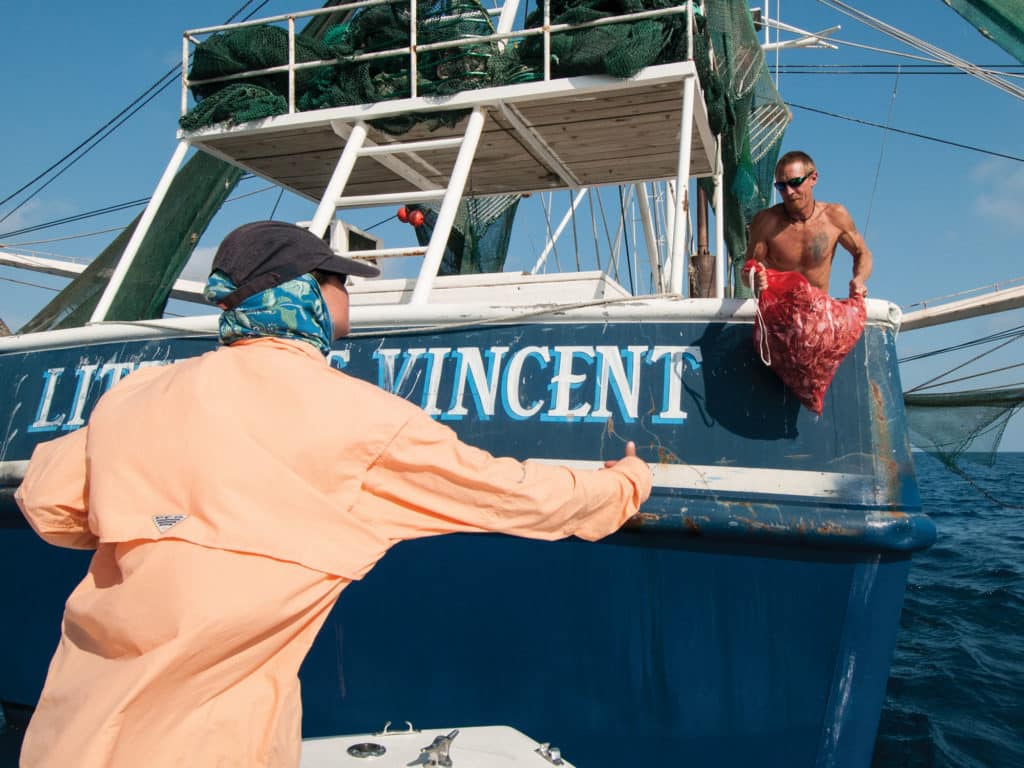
<point>748,617</point>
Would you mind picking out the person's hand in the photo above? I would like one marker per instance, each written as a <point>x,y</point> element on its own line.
<point>858,288</point>
<point>630,451</point>
<point>762,277</point>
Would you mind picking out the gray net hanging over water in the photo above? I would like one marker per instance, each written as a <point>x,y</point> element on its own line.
<point>964,427</point>
<point>950,424</point>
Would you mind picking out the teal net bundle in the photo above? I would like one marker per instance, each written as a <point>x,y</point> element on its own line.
<point>621,50</point>
<point>480,234</point>
<point>350,80</point>
<point>745,107</point>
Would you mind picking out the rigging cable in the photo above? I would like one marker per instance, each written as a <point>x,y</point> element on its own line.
<point>625,239</point>
<point>109,127</point>
<point>65,237</point>
<point>881,152</point>
<point>975,376</point>
<point>101,212</point>
<point>999,336</point>
<point>907,133</point>
<point>963,365</point>
<point>925,47</point>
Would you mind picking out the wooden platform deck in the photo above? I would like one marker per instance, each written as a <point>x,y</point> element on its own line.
<point>565,133</point>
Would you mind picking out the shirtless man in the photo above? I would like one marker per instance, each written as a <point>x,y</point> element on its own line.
<point>801,233</point>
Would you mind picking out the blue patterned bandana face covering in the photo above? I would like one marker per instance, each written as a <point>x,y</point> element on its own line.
<point>292,310</point>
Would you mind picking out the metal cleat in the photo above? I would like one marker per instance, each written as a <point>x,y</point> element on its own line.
<point>436,753</point>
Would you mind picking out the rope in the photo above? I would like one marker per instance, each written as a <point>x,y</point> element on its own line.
<point>763,347</point>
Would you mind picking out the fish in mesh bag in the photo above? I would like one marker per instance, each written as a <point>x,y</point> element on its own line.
<point>802,333</point>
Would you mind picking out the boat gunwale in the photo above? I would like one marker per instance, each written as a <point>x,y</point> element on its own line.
<point>389,319</point>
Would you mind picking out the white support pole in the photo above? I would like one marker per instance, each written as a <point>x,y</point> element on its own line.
<point>550,244</point>
<point>413,73</point>
<point>668,210</point>
<point>679,221</point>
<point>291,65</point>
<point>653,253</point>
<point>184,75</point>
<point>449,207</point>
<point>719,203</point>
<point>507,20</point>
<point>689,31</point>
<point>328,206</point>
<point>547,39</point>
<point>130,250</point>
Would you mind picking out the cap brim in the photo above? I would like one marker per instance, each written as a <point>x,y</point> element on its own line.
<point>343,266</point>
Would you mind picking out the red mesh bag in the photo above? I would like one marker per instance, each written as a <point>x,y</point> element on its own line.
<point>803,334</point>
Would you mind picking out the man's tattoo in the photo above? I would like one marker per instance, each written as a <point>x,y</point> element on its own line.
<point>819,247</point>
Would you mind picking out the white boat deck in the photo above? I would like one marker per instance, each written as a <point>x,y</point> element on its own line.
<point>495,746</point>
<point>565,133</point>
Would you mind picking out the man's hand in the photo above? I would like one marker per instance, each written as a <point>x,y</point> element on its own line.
<point>758,268</point>
<point>630,451</point>
<point>858,288</point>
<point>762,280</point>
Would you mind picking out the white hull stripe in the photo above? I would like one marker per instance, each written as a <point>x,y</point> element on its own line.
<point>742,480</point>
<point>749,480</point>
<point>12,472</point>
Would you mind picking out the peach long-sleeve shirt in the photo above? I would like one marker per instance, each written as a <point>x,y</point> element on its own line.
<point>230,498</point>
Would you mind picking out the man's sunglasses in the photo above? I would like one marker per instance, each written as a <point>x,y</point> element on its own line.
<point>793,183</point>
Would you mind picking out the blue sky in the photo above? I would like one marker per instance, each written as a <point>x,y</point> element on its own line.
<point>938,218</point>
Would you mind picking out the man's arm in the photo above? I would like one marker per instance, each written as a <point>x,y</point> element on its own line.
<point>757,247</point>
<point>852,241</point>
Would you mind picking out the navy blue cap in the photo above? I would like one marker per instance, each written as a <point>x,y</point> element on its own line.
<point>264,254</point>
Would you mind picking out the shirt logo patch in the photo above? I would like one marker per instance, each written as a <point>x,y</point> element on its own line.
<point>164,522</point>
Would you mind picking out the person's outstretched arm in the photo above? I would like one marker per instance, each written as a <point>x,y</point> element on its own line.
<point>54,494</point>
<point>429,482</point>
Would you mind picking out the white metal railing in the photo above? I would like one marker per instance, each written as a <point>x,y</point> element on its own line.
<point>669,269</point>
<point>510,8</point>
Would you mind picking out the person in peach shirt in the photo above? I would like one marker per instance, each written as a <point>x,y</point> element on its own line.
<point>231,497</point>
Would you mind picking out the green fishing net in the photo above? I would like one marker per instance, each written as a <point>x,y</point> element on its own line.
<point>480,234</point>
<point>744,105</point>
<point>621,50</point>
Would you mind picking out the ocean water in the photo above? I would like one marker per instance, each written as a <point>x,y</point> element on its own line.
<point>956,690</point>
